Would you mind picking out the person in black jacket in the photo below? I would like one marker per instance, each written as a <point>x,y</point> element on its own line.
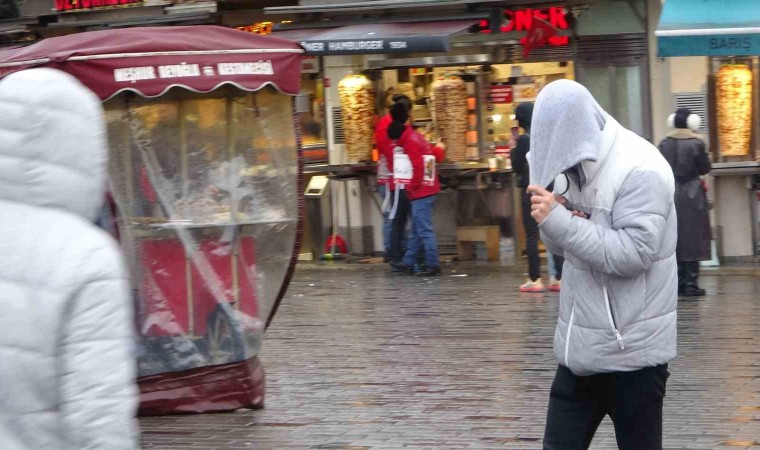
<point>518,155</point>
<point>685,152</point>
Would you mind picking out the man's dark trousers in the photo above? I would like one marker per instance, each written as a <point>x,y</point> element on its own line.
<point>633,401</point>
<point>398,226</point>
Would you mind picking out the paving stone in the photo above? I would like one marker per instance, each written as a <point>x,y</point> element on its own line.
<point>358,358</point>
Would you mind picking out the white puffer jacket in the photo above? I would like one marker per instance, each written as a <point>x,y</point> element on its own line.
<point>67,366</point>
<point>617,309</point>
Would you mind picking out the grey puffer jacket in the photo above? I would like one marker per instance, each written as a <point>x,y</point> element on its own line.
<point>619,294</point>
<point>67,362</point>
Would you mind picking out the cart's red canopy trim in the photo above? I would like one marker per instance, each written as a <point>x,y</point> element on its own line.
<point>150,61</point>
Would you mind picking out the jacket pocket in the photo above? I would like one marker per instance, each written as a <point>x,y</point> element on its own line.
<point>611,318</point>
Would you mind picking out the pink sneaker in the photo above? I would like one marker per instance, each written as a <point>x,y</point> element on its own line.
<point>535,287</point>
<point>555,285</point>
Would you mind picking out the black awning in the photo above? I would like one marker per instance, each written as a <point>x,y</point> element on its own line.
<point>388,38</point>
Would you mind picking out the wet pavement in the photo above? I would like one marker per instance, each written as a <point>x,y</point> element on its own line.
<point>361,359</point>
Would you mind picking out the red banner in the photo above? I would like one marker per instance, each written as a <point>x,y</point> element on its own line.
<point>501,94</point>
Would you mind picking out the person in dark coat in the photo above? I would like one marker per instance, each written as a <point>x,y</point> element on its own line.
<point>685,152</point>
<point>518,156</point>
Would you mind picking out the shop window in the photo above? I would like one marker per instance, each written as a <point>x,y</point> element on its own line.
<point>622,92</point>
<point>313,124</point>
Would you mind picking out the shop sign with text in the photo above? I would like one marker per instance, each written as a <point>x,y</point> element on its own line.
<point>310,64</point>
<point>135,74</point>
<point>412,44</point>
<point>522,20</point>
<point>501,94</point>
<point>83,5</point>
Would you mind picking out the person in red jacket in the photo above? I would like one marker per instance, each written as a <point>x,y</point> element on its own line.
<point>421,192</point>
<point>393,229</point>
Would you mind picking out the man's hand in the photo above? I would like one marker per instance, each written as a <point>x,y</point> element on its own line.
<point>580,214</point>
<point>563,201</point>
<point>542,202</point>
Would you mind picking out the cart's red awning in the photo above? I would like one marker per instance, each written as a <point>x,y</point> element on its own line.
<point>151,60</point>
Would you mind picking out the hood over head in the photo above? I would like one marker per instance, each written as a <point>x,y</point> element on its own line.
<point>52,142</point>
<point>524,114</point>
<point>567,129</point>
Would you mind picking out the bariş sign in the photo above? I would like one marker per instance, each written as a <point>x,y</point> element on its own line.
<point>522,20</point>
<point>80,5</point>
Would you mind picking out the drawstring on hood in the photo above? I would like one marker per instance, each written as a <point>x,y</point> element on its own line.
<point>566,129</point>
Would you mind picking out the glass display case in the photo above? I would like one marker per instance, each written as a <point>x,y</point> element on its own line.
<point>205,185</point>
<point>735,93</point>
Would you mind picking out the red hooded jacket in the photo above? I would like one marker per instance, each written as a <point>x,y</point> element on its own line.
<point>385,146</point>
<point>424,158</point>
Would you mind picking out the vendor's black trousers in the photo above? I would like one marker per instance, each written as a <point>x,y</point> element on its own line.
<point>531,239</point>
<point>398,225</point>
<point>633,401</point>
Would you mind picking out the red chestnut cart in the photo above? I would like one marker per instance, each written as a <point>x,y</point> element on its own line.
<point>205,170</point>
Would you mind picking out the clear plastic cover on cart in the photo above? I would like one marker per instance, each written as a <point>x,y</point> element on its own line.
<point>207,196</point>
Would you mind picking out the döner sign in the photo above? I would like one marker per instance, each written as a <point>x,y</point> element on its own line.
<point>74,5</point>
<point>135,74</point>
<point>522,19</point>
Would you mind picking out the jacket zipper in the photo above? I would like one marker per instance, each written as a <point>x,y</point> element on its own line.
<point>618,336</point>
<point>567,340</point>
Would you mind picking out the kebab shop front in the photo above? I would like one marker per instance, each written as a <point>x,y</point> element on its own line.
<point>719,42</point>
<point>465,78</point>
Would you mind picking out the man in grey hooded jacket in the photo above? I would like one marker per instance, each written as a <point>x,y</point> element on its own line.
<point>616,227</point>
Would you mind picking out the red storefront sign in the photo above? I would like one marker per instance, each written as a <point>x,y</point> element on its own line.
<point>522,20</point>
<point>80,5</point>
<point>501,94</point>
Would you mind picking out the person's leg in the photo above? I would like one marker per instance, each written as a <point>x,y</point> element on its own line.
<point>559,263</point>
<point>531,239</point>
<point>412,254</point>
<point>575,411</point>
<point>426,233</point>
<point>696,278</point>
<point>681,277</point>
<point>555,271</point>
<point>534,284</point>
<point>398,226</point>
<point>387,224</point>
<point>691,277</point>
<point>550,264</point>
<point>636,407</point>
